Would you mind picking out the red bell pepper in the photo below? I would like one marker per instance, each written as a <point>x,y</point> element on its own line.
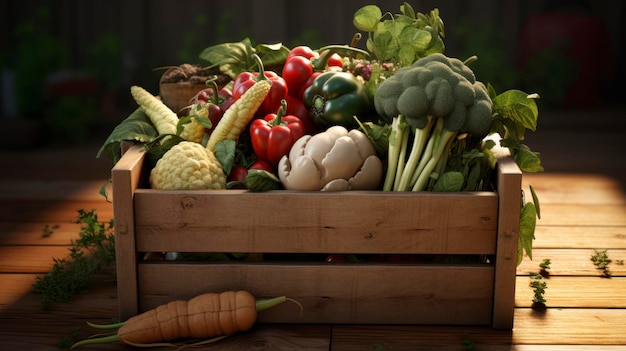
<point>273,136</point>
<point>277,93</point>
<point>301,63</point>
<point>295,107</point>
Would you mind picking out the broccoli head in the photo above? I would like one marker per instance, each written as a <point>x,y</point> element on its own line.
<point>439,97</point>
<point>437,86</point>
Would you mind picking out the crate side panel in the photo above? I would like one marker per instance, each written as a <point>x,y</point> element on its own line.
<point>349,222</point>
<point>362,294</point>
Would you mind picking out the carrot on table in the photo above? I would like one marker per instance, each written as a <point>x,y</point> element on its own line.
<point>210,315</point>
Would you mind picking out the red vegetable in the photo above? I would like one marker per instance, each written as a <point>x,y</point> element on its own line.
<point>215,103</point>
<point>273,136</point>
<point>238,174</point>
<point>301,63</point>
<point>277,93</point>
<point>296,108</point>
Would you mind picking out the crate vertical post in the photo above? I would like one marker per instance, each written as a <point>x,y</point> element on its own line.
<point>509,180</point>
<point>126,177</point>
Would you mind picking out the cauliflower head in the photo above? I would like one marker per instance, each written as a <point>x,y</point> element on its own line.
<point>188,165</point>
<point>333,160</point>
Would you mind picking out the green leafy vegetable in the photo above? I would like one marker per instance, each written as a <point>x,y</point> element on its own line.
<point>136,127</point>
<point>402,38</point>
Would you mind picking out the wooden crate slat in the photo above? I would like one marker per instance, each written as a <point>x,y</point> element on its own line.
<point>355,293</point>
<point>283,221</point>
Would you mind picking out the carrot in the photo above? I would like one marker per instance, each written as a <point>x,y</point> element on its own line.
<point>210,315</point>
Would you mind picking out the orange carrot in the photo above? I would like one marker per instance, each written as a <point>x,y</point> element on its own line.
<point>205,316</point>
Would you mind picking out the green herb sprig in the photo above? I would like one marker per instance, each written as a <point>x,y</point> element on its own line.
<point>88,255</point>
<point>601,260</point>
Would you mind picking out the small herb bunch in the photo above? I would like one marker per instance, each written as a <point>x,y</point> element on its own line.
<point>94,250</point>
<point>602,261</point>
<point>538,283</point>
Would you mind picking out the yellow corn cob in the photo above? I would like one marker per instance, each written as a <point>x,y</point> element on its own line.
<point>194,131</point>
<point>161,116</point>
<point>237,116</point>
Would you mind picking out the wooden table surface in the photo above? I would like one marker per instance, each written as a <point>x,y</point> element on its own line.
<point>583,208</point>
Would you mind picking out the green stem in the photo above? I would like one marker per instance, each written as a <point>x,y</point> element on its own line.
<point>439,150</point>
<point>401,159</point>
<point>106,326</point>
<point>327,52</point>
<point>395,141</point>
<point>262,305</point>
<point>419,142</point>
<point>278,120</point>
<point>102,340</point>
<point>259,63</point>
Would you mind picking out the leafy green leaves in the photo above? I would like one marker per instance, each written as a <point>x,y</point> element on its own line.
<point>514,112</point>
<point>234,58</point>
<point>402,38</point>
<point>528,220</point>
<point>136,127</point>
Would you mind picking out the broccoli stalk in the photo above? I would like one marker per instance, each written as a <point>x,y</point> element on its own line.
<point>442,142</point>
<point>439,98</point>
<point>398,138</point>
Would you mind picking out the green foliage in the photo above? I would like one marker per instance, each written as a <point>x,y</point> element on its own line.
<point>235,57</point>
<point>539,285</point>
<point>402,38</point>
<point>601,260</point>
<point>135,127</point>
<point>93,251</point>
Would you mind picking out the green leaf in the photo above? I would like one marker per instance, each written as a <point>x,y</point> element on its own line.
<point>272,54</point>
<point>225,153</point>
<point>407,10</point>
<point>136,127</point>
<point>518,106</point>
<point>527,160</point>
<point>384,47</point>
<point>261,180</point>
<point>367,18</point>
<point>535,201</point>
<point>449,182</point>
<point>231,58</point>
<point>528,220</point>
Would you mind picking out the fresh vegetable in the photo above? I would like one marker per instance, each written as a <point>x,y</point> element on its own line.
<point>240,113</point>
<point>209,315</point>
<point>335,98</point>
<point>161,116</point>
<point>238,174</point>
<point>296,108</point>
<point>207,102</point>
<point>301,63</point>
<point>332,160</point>
<point>188,165</point>
<point>194,126</point>
<point>274,135</point>
<point>402,38</point>
<point>277,93</point>
<point>439,97</point>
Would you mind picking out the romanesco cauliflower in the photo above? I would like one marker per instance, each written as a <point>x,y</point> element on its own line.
<point>188,165</point>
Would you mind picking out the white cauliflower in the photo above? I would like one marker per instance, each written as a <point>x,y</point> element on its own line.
<point>188,165</point>
<point>332,160</point>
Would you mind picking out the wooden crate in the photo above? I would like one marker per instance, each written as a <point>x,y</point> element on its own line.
<point>289,222</point>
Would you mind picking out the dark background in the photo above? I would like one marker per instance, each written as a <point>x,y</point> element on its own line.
<point>67,66</point>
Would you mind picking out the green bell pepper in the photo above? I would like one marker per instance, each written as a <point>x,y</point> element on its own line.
<point>335,98</point>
